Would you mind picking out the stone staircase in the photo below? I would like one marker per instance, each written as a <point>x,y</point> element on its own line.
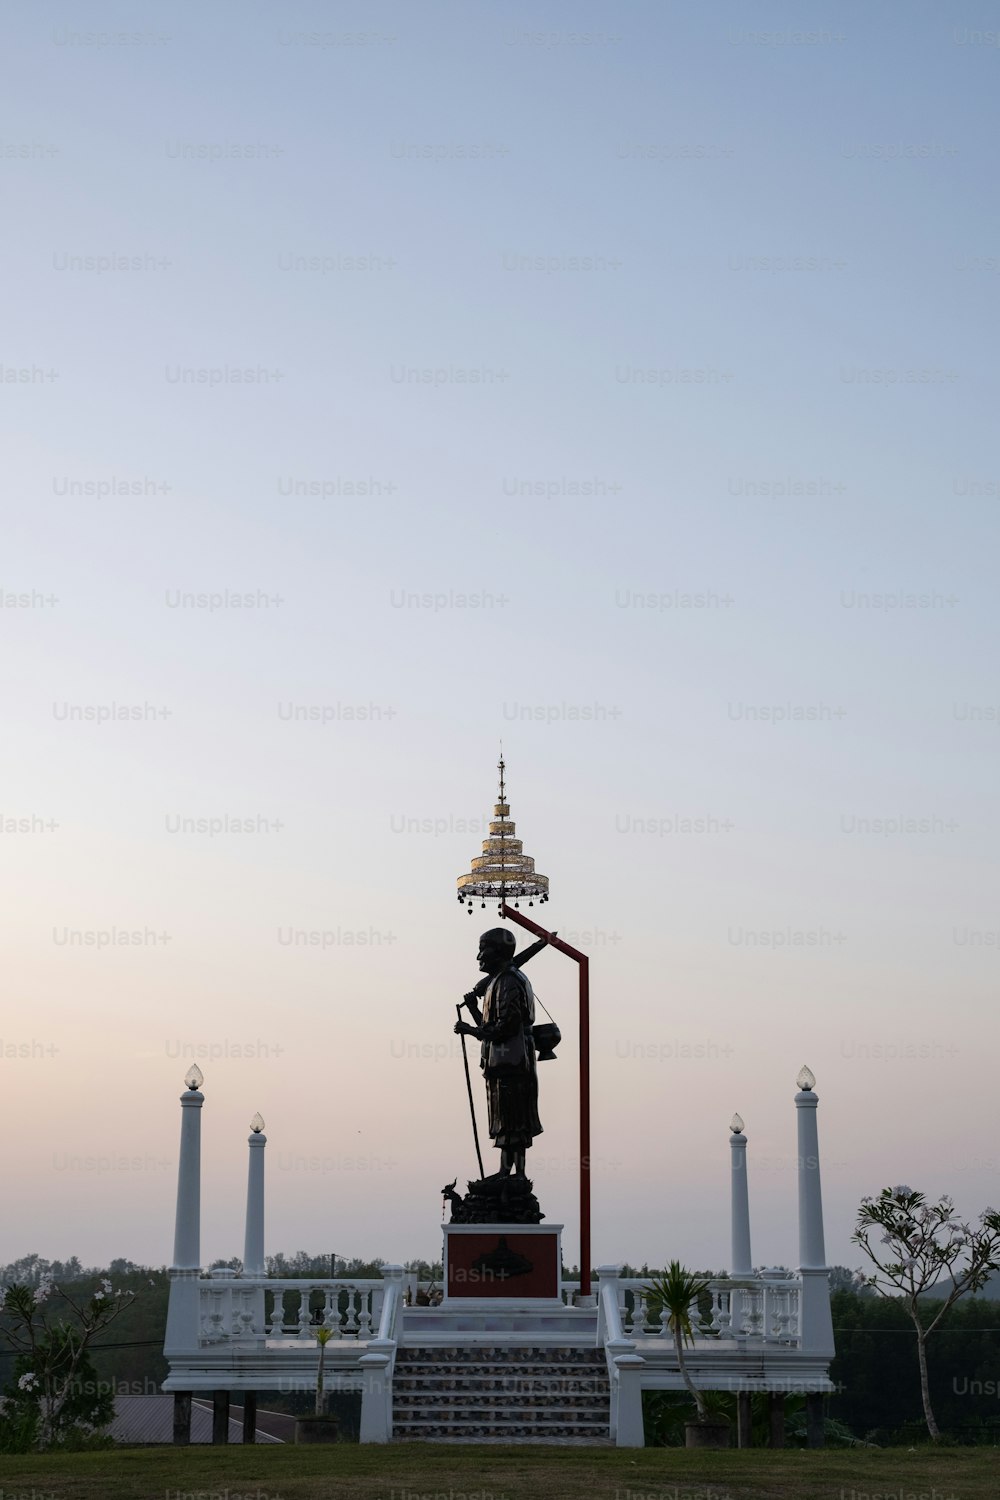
<point>501,1394</point>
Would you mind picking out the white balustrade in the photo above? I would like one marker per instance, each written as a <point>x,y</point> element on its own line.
<point>231,1308</point>
<point>750,1309</point>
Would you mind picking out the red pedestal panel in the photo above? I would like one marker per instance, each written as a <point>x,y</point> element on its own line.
<point>500,1263</point>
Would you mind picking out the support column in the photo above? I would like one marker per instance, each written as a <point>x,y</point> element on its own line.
<point>182,1309</point>
<point>220,1416</point>
<point>250,1416</point>
<point>815,1321</point>
<point>253,1243</point>
<point>253,1239</point>
<point>812,1251</point>
<point>815,1427</point>
<point>741,1263</point>
<point>629,1430</point>
<point>376,1393</point>
<point>744,1419</point>
<point>776,1419</point>
<point>182,1418</point>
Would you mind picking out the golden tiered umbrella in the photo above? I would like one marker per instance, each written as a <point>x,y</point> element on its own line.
<point>503,872</point>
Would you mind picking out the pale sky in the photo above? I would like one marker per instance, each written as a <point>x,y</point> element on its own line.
<point>627,392</point>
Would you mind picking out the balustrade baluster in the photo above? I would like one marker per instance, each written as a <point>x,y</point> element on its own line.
<point>755,1315</point>
<point>365,1318</point>
<point>216,1319</point>
<point>351,1325</point>
<point>272,1324</point>
<point>738,1299</point>
<point>304,1310</point>
<point>768,1296</point>
<point>255,1319</point>
<point>205,1309</point>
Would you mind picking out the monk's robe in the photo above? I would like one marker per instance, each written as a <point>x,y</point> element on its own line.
<point>508,1060</point>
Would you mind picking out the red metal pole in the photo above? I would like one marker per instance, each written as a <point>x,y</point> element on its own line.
<point>585,1126</point>
<point>584,968</point>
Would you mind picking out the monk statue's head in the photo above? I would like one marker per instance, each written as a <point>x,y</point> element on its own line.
<point>496,948</point>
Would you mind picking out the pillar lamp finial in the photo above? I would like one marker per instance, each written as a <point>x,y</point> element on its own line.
<point>806,1080</point>
<point>194,1077</point>
<point>257,1123</point>
<point>736,1124</point>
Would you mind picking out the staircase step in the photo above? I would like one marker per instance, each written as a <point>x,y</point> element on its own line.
<point>511,1374</point>
<point>518,1423</point>
<point>430,1391</point>
<point>509,1440</point>
<point>525,1389</point>
<point>510,1393</point>
<point>485,1353</point>
<point>486,1401</point>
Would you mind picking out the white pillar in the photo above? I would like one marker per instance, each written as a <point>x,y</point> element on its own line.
<point>812,1252</point>
<point>628,1427</point>
<point>376,1397</point>
<point>815,1321</point>
<point>253,1243</point>
<point>741,1262</point>
<point>183,1306</point>
<point>187,1221</point>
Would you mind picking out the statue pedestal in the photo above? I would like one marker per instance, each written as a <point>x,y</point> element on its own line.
<point>502,1262</point>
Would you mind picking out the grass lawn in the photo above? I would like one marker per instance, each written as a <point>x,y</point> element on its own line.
<point>425,1471</point>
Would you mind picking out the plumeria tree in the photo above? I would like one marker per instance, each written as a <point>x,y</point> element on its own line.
<point>919,1243</point>
<point>51,1332</point>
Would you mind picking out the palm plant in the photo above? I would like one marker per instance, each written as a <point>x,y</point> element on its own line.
<point>674,1290</point>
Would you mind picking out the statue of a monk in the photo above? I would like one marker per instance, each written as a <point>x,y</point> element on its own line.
<point>508,1049</point>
